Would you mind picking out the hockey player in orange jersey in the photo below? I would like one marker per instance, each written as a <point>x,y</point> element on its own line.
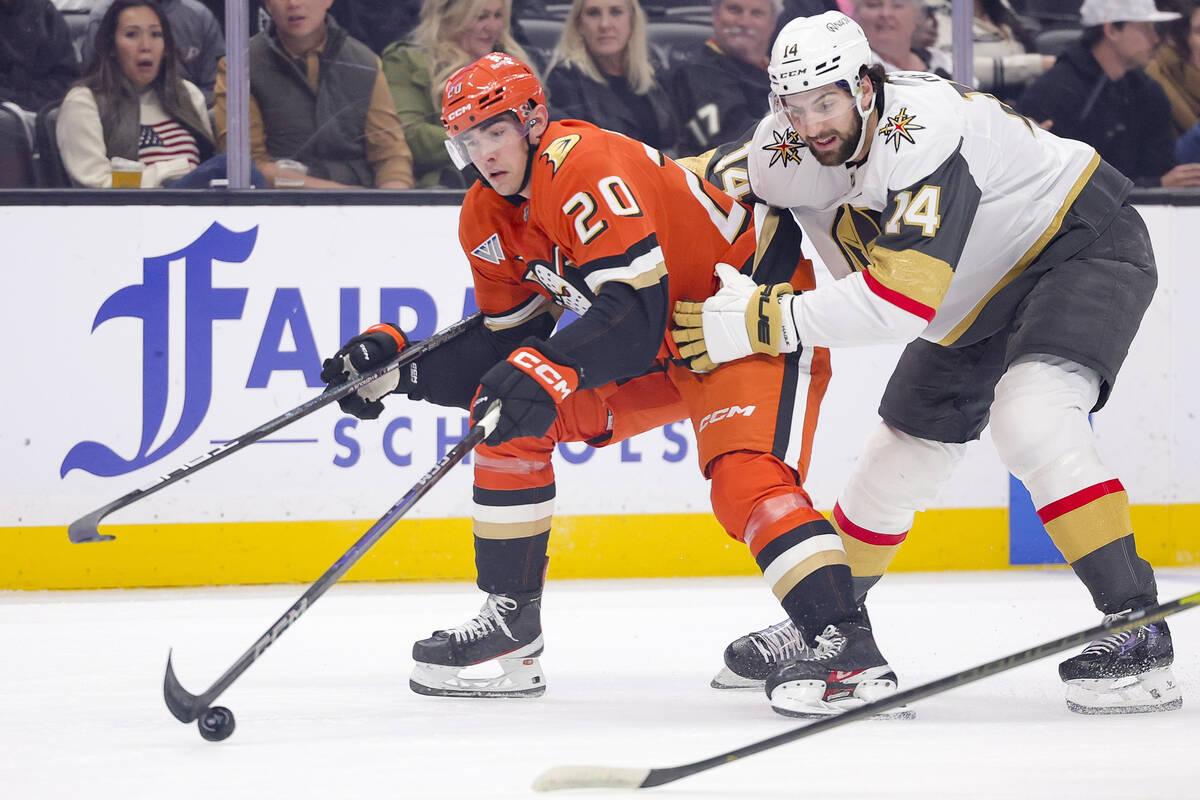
<point>567,215</point>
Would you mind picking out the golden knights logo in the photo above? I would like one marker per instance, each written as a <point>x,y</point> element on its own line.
<point>785,149</point>
<point>900,127</point>
<point>556,152</point>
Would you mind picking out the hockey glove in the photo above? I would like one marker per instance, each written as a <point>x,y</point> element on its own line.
<point>529,387</point>
<point>369,350</point>
<point>741,319</point>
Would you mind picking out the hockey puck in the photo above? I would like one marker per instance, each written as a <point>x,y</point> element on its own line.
<point>216,723</point>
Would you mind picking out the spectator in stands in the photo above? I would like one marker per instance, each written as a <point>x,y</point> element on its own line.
<point>1098,92</point>
<point>890,26</point>
<point>450,35</point>
<point>1006,56</point>
<point>199,40</point>
<point>318,96</point>
<point>601,72</point>
<point>132,104</point>
<point>925,37</point>
<point>720,86</point>
<point>1176,65</point>
<point>37,59</point>
<point>377,23</point>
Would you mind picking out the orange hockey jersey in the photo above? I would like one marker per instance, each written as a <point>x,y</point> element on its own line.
<point>615,232</point>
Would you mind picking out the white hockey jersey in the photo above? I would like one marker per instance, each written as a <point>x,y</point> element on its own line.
<point>957,197</point>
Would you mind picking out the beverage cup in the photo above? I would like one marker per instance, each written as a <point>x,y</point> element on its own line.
<point>290,174</point>
<point>126,174</point>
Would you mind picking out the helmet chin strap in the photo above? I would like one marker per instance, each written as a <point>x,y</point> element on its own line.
<point>862,131</point>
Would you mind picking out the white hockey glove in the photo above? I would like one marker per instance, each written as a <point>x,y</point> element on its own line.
<point>741,319</point>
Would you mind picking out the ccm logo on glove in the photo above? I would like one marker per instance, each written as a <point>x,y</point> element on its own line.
<point>558,385</point>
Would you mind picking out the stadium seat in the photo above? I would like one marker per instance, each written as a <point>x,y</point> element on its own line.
<point>17,167</point>
<point>51,172</point>
<point>671,38</point>
<point>1052,42</point>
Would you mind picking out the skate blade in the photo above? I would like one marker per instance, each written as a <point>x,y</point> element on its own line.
<point>439,691</point>
<point>728,679</point>
<point>824,710</point>
<point>1155,690</point>
<point>519,677</point>
<point>805,700</point>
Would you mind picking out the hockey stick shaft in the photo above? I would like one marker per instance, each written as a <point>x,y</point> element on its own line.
<point>87,527</point>
<point>577,777</point>
<point>186,706</point>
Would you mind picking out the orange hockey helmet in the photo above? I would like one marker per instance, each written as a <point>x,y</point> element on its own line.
<point>495,84</point>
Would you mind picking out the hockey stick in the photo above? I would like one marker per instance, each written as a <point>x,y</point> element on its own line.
<point>581,777</point>
<point>187,707</point>
<point>87,527</point>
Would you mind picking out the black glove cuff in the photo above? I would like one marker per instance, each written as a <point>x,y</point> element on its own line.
<point>554,354</point>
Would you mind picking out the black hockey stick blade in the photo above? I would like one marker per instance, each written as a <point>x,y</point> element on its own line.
<point>180,702</point>
<point>186,707</point>
<point>588,777</point>
<point>87,527</point>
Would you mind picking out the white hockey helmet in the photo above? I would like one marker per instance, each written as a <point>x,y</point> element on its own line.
<point>815,51</point>
<point>811,52</point>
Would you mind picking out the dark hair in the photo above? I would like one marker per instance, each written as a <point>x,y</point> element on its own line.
<point>878,76</point>
<point>1001,13</point>
<point>104,74</point>
<point>1092,35</point>
<point>1177,31</point>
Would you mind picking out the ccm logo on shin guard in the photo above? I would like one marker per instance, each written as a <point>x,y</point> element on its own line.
<point>557,380</point>
<point>725,413</point>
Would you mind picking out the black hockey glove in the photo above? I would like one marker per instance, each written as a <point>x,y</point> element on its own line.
<point>376,346</point>
<point>529,387</point>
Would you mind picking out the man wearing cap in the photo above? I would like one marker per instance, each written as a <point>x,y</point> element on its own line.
<point>1097,92</point>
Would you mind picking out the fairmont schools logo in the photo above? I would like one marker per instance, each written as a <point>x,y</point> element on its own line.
<point>148,301</point>
<point>900,127</point>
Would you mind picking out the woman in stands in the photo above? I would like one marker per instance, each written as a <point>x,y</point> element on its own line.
<point>602,72</point>
<point>132,104</point>
<point>450,35</point>
<point>1176,65</point>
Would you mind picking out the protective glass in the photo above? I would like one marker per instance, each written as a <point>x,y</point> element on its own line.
<point>800,110</point>
<point>475,144</point>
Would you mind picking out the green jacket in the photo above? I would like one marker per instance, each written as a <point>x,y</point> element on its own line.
<point>406,68</point>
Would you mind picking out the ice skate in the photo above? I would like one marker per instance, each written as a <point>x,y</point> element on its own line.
<point>751,658</point>
<point>506,637</point>
<point>844,670</point>
<point>1126,673</point>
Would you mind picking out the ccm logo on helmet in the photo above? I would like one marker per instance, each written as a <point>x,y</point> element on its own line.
<point>726,413</point>
<point>546,373</point>
<point>458,112</point>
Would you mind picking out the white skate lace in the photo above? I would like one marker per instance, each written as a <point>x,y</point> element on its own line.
<point>1113,642</point>
<point>491,616</point>
<point>829,643</point>
<point>780,642</point>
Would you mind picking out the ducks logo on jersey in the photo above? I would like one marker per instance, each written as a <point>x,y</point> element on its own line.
<point>556,152</point>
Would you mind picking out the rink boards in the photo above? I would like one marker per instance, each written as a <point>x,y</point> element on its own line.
<point>142,336</point>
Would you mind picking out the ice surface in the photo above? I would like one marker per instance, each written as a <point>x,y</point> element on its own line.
<point>327,711</point>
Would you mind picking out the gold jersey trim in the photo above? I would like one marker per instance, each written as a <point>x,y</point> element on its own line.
<point>1032,253</point>
<point>914,274</point>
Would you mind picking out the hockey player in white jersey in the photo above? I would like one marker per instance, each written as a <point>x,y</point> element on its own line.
<point>1011,262</point>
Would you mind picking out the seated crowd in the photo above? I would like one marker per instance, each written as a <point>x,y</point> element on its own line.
<point>345,93</point>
